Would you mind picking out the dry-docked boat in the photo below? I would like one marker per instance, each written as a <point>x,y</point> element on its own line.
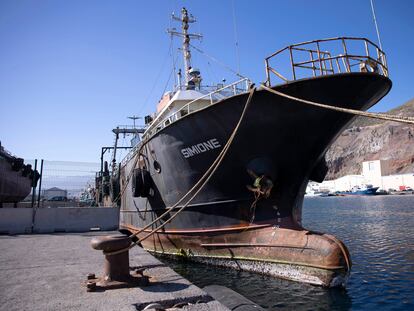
<point>16,178</point>
<point>249,154</point>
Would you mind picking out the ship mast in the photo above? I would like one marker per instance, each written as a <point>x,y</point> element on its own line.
<point>192,77</point>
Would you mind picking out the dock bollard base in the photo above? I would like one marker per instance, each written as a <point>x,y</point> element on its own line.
<point>101,284</point>
<point>116,270</point>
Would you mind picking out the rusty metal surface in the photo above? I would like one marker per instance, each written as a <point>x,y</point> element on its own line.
<point>318,252</point>
<point>103,283</point>
<point>116,267</point>
<point>110,243</point>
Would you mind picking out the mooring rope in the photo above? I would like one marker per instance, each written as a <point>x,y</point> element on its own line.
<point>382,116</point>
<point>201,182</point>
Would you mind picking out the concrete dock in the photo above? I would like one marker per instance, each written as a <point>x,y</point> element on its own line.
<point>48,271</point>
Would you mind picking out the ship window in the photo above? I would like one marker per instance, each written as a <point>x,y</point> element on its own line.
<point>157,166</point>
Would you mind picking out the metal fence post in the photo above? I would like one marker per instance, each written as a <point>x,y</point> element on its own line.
<point>33,184</point>
<point>40,183</point>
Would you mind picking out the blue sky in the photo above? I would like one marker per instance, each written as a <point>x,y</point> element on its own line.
<point>70,71</point>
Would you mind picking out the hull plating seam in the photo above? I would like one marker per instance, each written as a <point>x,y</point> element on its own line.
<point>194,256</point>
<point>202,204</point>
<point>189,231</point>
<point>219,245</point>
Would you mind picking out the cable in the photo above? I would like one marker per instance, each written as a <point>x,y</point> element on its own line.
<point>217,61</point>
<point>236,43</point>
<point>373,115</point>
<point>376,25</point>
<point>169,78</point>
<point>156,80</point>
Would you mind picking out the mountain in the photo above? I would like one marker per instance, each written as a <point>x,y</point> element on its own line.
<point>369,139</point>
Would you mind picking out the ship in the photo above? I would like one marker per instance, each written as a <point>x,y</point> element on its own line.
<point>220,173</point>
<point>362,190</point>
<point>16,178</point>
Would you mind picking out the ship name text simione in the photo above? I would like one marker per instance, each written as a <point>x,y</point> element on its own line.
<point>200,148</point>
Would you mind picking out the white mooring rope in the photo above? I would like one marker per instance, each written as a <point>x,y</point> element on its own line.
<point>373,115</point>
<point>201,182</point>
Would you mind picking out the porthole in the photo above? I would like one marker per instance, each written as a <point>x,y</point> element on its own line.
<point>157,167</point>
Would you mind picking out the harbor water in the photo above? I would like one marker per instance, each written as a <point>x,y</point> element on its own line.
<point>379,232</point>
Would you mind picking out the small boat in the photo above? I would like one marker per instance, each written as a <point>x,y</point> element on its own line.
<point>362,190</point>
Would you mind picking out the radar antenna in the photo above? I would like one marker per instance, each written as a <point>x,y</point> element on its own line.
<point>134,118</point>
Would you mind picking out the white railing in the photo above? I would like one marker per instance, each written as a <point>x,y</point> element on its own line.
<point>213,97</point>
<point>328,57</point>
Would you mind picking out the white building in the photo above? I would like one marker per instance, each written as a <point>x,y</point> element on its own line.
<point>374,173</point>
<point>54,193</point>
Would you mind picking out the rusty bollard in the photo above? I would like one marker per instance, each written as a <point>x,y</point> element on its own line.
<point>116,267</point>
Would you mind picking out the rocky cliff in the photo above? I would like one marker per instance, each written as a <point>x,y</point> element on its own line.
<point>371,139</point>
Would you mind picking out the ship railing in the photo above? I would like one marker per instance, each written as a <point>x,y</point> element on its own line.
<point>129,126</point>
<point>211,98</point>
<point>326,57</point>
<point>219,92</point>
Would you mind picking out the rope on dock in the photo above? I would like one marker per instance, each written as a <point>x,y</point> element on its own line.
<point>382,116</point>
<point>201,183</point>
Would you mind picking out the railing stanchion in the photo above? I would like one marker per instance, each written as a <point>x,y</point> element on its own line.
<point>292,63</point>
<point>330,61</point>
<point>267,72</point>
<point>366,48</point>
<point>348,66</point>
<point>337,65</point>
<point>384,62</point>
<point>319,57</point>
<point>313,63</point>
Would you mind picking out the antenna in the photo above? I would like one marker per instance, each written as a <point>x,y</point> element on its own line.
<point>236,43</point>
<point>376,25</point>
<point>185,19</point>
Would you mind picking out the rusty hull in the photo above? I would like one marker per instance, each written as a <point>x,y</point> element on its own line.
<point>298,255</point>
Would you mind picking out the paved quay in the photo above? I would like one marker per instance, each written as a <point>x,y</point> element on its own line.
<point>48,271</point>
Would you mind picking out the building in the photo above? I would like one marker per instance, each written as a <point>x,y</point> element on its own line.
<point>375,173</point>
<point>55,194</point>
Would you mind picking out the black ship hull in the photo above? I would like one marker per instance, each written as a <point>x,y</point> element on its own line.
<point>15,184</point>
<point>280,138</point>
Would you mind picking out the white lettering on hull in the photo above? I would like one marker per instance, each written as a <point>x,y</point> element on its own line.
<point>200,148</point>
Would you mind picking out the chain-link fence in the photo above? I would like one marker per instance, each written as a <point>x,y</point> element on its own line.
<point>63,184</point>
